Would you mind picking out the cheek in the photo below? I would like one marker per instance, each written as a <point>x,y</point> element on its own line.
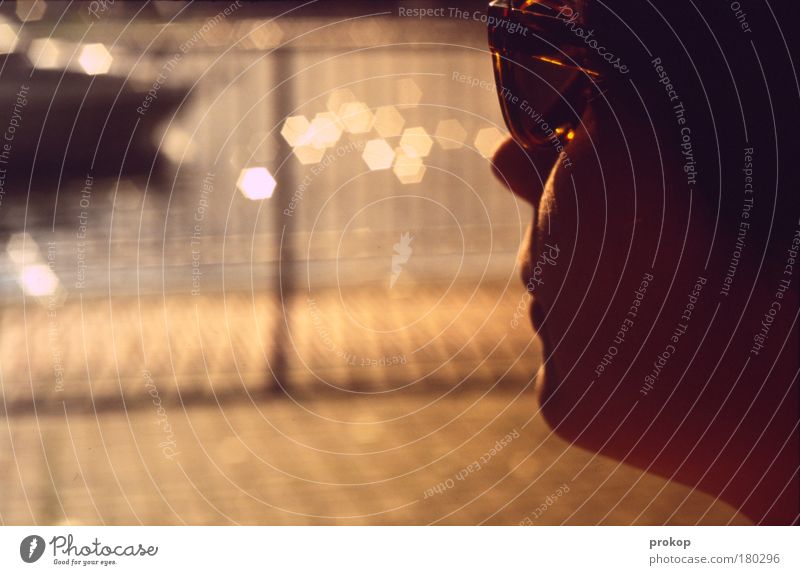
<point>592,202</point>
<point>588,210</point>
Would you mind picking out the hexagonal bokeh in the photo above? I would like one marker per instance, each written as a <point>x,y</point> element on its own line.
<point>409,170</point>
<point>339,98</point>
<point>256,183</point>
<point>308,154</point>
<point>178,145</point>
<point>325,130</point>
<point>408,93</point>
<point>416,143</point>
<point>356,117</point>
<point>8,39</point>
<point>388,122</point>
<point>450,134</point>
<point>369,32</point>
<point>378,154</point>
<point>45,53</point>
<point>38,280</point>
<point>488,140</point>
<point>295,130</point>
<point>264,34</point>
<point>30,10</point>
<point>95,59</point>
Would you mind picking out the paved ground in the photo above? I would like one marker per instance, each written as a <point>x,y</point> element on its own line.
<point>346,443</point>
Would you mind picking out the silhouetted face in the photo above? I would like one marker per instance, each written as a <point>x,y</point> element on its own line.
<point>593,171</point>
<point>627,263</point>
<point>599,223</point>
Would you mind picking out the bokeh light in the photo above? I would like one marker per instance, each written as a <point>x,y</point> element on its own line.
<point>46,53</point>
<point>95,59</point>
<point>408,169</point>
<point>388,122</point>
<point>450,134</point>
<point>488,140</point>
<point>38,280</point>
<point>324,130</point>
<point>356,117</point>
<point>30,10</point>
<point>408,93</point>
<point>264,35</point>
<point>8,39</point>
<point>178,145</point>
<point>23,249</point>
<point>378,154</point>
<point>256,183</point>
<point>416,142</point>
<point>295,130</point>
<point>339,98</point>
<point>308,154</point>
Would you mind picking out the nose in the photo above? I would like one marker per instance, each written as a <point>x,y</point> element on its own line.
<point>521,171</point>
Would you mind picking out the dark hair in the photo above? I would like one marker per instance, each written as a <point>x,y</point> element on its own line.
<point>730,66</point>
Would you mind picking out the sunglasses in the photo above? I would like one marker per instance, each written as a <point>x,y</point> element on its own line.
<point>545,75</point>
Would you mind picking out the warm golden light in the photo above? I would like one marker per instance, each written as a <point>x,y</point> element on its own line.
<point>339,98</point>
<point>23,249</point>
<point>450,134</point>
<point>324,130</point>
<point>95,59</point>
<point>256,183</point>
<point>356,117</point>
<point>378,155</point>
<point>560,63</point>
<point>409,170</point>
<point>178,145</point>
<point>38,280</point>
<point>8,39</point>
<point>488,140</point>
<point>45,53</point>
<point>388,122</point>
<point>308,154</point>
<point>408,93</point>
<point>30,10</point>
<point>295,130</point>
<point>416,142</point>
<point>263,34</point>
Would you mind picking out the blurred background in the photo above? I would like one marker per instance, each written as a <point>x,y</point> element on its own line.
<point>255,269</point>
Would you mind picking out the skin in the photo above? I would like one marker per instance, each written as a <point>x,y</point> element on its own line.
<point>705,422</point>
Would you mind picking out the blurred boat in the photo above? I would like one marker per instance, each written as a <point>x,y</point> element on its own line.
<point>60,124</point>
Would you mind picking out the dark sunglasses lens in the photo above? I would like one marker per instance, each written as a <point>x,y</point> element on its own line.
<point>541,99</point>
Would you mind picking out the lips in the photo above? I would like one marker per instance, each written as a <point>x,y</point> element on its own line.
<point>537,319</point>
<point>526,174</point>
